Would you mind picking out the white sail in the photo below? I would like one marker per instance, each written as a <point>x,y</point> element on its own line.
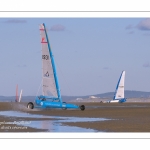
<point>20,96</point>
<point>48,81</point>
<point>120,87</point>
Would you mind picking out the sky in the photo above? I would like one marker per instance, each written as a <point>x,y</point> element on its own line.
<point>89,53</point>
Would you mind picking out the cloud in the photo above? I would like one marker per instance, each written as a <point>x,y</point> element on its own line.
<point>129,27</point>
<point>57,27</point>
<point>146,34</point>
<point>146,65</point>
<point>131,32</point>
<point>15,21</point>
<point>22,66</point>
<point>106,68</point>
<point>144,24</point>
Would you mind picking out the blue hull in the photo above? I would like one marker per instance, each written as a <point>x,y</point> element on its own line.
<point>122,100</point>
<point>49,104</point>
<point>43,103</point>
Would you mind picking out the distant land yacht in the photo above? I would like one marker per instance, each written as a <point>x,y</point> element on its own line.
<point>18,98</point>
<point>119,93</point>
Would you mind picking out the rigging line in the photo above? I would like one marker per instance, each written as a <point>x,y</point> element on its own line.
<point>38,88</point>
<point>69,89</point>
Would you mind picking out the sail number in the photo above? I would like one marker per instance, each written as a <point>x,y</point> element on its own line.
<point>45,57</point>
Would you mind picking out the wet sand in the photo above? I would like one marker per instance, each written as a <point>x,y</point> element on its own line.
<point>124,117</point>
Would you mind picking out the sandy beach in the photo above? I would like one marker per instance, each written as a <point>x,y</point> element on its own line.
<point>122,117</point>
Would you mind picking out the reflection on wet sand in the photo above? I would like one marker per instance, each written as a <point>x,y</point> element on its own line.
<point>54,125</point>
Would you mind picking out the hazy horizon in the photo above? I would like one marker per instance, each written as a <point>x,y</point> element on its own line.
<point>80,95</point>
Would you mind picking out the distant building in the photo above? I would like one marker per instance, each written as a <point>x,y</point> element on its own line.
<point>92,97</point>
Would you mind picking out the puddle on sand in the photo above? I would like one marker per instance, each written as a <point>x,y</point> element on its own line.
<point>52,125</point>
